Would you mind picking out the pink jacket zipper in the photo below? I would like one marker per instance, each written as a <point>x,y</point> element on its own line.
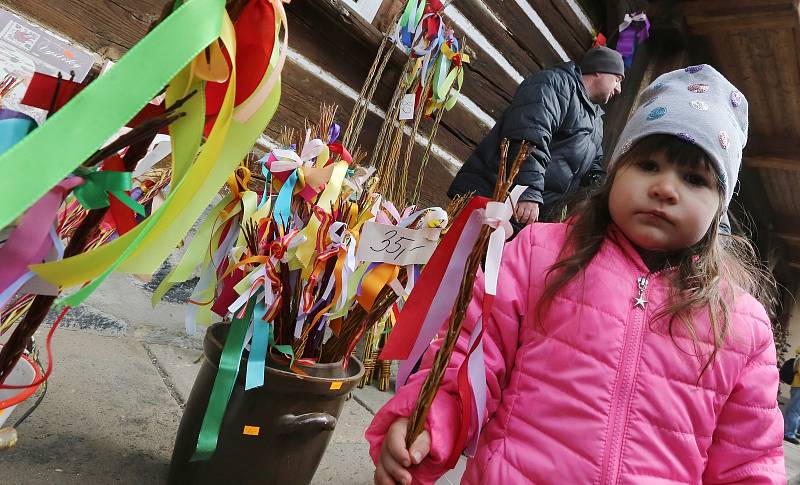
<point>626,378</point>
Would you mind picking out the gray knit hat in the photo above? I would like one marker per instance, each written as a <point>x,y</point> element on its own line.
<point>603,59</point>
<point>700,106</point>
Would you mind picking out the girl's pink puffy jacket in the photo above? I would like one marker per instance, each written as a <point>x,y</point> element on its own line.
<point>604,395</point>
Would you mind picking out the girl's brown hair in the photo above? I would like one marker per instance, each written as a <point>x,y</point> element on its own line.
<point>706,275</point>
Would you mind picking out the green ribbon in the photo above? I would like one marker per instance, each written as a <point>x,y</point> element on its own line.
<point>93,192</point>
<point>227,372</point>
<point>72,134</point>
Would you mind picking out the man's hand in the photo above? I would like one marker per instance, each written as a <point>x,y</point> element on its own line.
<point>527,212</point>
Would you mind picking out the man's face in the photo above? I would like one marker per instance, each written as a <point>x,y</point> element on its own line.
<point>605,87</point>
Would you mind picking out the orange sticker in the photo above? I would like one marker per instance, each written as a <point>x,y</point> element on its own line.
<point>336,385</point>
<point>252,430</point>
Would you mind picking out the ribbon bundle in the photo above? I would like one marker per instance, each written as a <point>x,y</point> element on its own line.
<point>286,263</point>
<point>423,33</point>
<point>197,34</point>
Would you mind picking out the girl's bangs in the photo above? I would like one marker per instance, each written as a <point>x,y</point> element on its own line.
<point>675,149</point>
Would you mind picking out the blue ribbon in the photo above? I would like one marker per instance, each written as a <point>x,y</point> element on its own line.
<point>13,130</point>
<point>258,348</point>
<point>283,204</point>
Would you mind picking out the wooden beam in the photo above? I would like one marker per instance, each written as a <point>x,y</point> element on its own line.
<point>788,229</point>
<point>108,28</point>
<point>705,17</point>
<point>793,236</point>
<point>773,153</point>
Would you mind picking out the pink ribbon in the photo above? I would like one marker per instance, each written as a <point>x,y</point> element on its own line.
<point>29,243</point>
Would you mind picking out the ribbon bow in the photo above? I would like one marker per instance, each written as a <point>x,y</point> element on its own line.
<point>497,215</point>
<point>629,19</point>
<point>93,192</point>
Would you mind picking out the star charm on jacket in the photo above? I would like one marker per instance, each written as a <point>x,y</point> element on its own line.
<point>640,302</point>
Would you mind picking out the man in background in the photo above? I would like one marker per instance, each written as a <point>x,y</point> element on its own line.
<point>557,111</point>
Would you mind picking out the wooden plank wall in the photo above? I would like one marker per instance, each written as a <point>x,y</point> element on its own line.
<point>332,49</point>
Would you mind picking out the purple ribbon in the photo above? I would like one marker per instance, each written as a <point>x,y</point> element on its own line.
<point>636,32</point>
<point>333,132</point>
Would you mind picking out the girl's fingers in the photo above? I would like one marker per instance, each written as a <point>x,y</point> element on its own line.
<point>520,212</point>
<point>394,470</point>
<point>421,447</point>
<point>381,477</point>
<point>395,442</point>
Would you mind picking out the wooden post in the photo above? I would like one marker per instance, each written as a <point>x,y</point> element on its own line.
<point>664,51</point>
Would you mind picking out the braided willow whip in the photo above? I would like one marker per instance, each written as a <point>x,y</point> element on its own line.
<point>434,378</point>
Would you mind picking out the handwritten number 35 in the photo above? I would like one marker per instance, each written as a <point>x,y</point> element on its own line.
<point>397,248</point>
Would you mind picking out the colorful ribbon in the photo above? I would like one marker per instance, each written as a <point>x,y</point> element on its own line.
<point>423,316</point>
<point>225,147</point>
<point>98,111</point>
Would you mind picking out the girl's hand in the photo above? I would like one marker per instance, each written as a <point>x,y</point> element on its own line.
<point>395,459</point>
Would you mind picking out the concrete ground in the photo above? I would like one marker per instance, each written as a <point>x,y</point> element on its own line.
<point>122,375</point>
<point>123,372</point>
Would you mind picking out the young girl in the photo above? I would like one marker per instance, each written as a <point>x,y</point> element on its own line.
<point>626,346</point>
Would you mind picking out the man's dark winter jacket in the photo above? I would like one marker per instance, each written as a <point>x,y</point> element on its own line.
<point>551,110</point>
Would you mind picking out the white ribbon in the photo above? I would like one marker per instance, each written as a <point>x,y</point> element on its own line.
<point>341,238</point>
<point>411,278</point>
<point>497,215</point>
<point>261,272</point>
<point>629,19</point>
<point>398,288</point>
<point>357,181</point>
<point>160,147</point>
<point>312,148</point>
<point>206,277</point>
<point>288,160</point>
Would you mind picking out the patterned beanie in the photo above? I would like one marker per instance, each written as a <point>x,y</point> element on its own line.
<point>700,106</point>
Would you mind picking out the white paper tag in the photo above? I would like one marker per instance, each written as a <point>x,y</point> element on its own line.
<point>407,107</point>
<point>382,243</point>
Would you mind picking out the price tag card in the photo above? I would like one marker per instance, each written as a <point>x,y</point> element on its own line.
<point>407,107</point>
<point>382,243</point>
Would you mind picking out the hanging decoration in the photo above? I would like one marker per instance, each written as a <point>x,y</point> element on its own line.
<point>634,29</point>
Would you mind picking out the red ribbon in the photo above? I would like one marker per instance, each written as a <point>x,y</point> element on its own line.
<point>255,39</point>
<point>42,88</point>
<point>337,147</point>
<point>599,40</point>
<point>228,294</point>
